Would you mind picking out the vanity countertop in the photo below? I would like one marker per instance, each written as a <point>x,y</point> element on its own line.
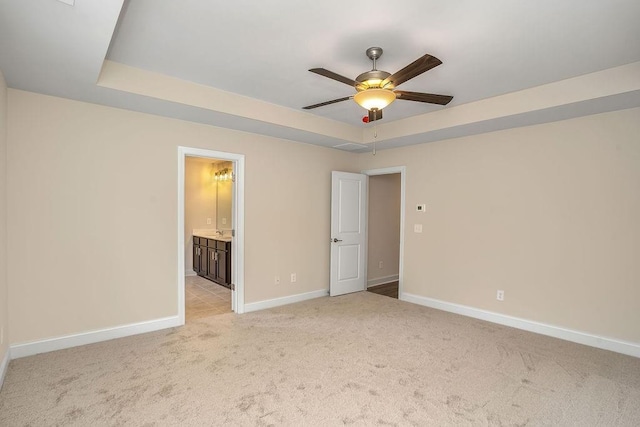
<point>210,234</point>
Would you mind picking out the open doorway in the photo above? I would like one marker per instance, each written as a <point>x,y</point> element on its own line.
<point>210,233</point>
<point>385,226</point>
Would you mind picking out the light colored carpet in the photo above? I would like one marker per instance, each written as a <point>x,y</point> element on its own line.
<point>360,359</point>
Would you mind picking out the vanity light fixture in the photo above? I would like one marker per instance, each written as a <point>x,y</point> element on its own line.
<point>223,175</point>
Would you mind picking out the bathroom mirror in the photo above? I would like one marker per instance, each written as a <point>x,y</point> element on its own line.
<point>224,190</point>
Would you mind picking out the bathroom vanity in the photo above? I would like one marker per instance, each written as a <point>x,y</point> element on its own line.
<point>212,258</point>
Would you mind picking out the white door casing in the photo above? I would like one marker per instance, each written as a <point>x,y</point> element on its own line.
<point>348,232</point>
<point>237,246</point>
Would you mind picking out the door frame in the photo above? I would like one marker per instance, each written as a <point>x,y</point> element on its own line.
<point>402,170</point>
<point>237,203</point>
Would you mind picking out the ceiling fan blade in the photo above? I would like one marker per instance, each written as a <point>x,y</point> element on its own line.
<point>430,98</point>
<point>417,67</point>
<point>330,74</point>
<point>322,104</point>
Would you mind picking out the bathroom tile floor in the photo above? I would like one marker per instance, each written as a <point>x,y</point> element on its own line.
<point>204,298</point>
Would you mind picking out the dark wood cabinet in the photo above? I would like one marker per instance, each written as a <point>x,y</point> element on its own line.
<point>212,267</point>
<point>199,256</point>
<point>212,260</point>
<point>222,275</point>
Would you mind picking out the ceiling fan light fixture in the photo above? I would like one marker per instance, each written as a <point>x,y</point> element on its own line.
<point>374,98</point>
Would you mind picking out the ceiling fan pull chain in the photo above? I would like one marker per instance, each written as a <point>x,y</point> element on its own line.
<point>375,136</point>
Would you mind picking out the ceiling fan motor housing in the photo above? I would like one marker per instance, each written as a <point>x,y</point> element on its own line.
<point>372,79</point>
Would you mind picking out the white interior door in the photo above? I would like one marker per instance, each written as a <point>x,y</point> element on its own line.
<point>348,232</point>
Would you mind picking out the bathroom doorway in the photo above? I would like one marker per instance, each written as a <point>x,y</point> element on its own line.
<point>208,227</point>
<point>210,233</point>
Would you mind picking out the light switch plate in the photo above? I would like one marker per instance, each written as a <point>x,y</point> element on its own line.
<point>417,228</point>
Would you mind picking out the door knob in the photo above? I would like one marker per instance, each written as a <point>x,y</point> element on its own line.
<point>336,240</point>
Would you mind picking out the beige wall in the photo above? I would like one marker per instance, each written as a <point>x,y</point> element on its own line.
<point>547,213</point>
<point>92,214</point>
<point>199,203</point>
<point>384,227</point>
<point>4,294</point>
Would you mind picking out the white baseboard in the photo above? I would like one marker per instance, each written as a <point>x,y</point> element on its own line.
<point>276,302</point>
<point>190,273</point>
<point>382,280</point>
<point>59,343</point>
<point>624,347</point>
<point>4,365</point>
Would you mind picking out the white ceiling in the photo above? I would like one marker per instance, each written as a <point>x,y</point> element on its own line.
<point>262,50</point>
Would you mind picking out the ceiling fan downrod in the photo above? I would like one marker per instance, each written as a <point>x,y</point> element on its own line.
<point>374,53</point>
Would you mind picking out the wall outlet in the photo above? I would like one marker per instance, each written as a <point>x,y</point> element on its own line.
<point>224,221</point>
<point>500,295</point>
<point>293,277</point>
<point>417,228</point>
<point>421,208</point>
<point>276,280</point>
<point>380,264</point>
<point>208,221</point>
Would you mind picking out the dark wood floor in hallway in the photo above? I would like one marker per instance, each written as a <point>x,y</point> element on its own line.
<point>387,289</point>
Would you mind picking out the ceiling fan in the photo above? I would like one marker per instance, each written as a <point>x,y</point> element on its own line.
<point>376,88</point>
